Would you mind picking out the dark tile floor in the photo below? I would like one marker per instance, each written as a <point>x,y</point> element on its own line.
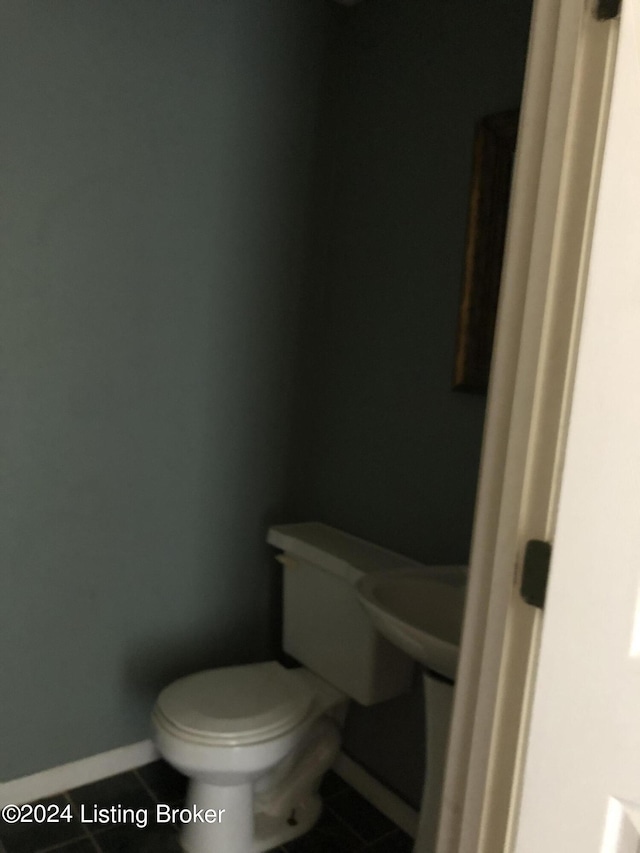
<point>349,824</point>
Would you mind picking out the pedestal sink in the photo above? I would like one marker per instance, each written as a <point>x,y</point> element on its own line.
<point>420,610</point>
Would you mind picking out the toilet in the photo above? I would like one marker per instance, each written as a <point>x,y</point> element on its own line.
<point>255,740</point>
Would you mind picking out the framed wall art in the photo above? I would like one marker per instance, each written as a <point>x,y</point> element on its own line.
<point>493,155</point>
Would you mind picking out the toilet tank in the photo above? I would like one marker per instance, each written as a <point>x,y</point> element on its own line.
<point>324,625</point>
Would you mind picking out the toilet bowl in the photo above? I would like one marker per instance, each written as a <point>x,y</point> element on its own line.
<point>255,740</point>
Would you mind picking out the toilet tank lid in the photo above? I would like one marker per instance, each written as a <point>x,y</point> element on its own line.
<point>335,551</point>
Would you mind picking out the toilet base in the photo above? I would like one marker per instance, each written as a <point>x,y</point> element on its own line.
<point>232,832</point>
<point>270,832</point>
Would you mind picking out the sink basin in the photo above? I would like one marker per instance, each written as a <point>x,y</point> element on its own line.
<point>419,610</point>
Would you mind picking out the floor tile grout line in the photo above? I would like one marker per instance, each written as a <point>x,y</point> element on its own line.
<point>62,845</point>
<point>94,842</point>
<point>155,797</point>
<point>367,842</point>
<point>346,823</point>
<point>74,809</point>
<point>384,837</point>
<point>146,787</point>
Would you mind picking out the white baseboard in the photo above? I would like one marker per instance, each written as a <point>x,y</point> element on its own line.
<point>68,776</point>
<point>377,794</point>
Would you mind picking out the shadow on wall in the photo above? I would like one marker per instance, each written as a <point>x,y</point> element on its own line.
<point>382,447</point>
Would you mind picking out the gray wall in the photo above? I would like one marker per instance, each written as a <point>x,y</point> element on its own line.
<point>154,171</point>
<point>384,448</point>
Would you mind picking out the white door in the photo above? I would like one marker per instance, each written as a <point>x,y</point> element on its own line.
<point>581,783</point>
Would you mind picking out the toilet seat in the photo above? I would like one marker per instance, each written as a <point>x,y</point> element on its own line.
<point>235,706</point>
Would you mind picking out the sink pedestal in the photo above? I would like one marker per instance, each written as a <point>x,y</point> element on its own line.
<point>438,694</point>
<point>420,610</point>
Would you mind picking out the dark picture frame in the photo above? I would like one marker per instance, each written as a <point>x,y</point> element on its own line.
<point>493,155</point>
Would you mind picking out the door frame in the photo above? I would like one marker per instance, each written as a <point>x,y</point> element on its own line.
<point>562,127</point>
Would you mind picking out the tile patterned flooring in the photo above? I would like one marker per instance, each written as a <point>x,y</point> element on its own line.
<point>349,824</point>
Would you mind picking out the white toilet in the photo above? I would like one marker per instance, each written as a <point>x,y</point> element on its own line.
<point>255,740</point>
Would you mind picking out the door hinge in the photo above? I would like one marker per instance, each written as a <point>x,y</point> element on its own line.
<point>605,10</point>
<point>535,572</point>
